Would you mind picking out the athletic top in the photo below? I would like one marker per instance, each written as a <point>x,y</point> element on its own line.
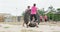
<point>40,17</point>
<point>45,17</point>
<point>33,10</point>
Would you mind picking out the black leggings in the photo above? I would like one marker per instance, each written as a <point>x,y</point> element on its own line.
<point>33,15</point>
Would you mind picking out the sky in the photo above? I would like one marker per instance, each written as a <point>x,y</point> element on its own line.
<point>17,7</point>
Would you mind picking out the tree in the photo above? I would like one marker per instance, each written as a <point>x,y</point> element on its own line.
<point>41,12</point>
<point>50,15</point>
<point>58,9</point>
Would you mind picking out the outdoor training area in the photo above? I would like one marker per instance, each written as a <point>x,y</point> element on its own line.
<point>29,16</point>
<point>17,27</point>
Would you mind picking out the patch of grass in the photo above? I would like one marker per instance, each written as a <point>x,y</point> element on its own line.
<point>6,27</point>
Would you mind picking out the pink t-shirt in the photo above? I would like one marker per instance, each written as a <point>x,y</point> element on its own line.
<point>45,17</point>
<point>40,17</point>
<point>33,10</point>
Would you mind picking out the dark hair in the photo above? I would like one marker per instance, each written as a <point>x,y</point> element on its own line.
<point>28,6</point>
<point>34,4</point>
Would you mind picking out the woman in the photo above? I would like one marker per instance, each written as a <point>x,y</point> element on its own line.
<point>45,18</point>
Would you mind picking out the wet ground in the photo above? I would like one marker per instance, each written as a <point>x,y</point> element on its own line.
<point>17,27</point>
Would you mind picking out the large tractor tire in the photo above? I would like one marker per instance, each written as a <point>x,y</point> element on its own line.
<point>32,24</point>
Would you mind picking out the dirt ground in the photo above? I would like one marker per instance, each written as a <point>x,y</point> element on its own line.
<point>50,26</point>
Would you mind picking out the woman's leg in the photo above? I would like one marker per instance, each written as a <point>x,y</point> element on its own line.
<point>31,17</point>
